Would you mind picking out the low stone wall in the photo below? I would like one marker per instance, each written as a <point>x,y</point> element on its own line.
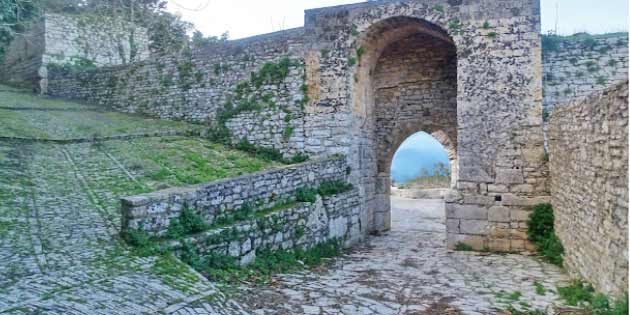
<point>303,225</point>
<point>153,212</point>
<point>589,185</point>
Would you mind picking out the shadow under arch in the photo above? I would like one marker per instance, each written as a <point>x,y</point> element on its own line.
<point>405,82</point>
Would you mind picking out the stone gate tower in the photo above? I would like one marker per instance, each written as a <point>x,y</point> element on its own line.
<point>469,72</point>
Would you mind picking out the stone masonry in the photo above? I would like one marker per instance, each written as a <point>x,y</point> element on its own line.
<point>70,39</point>
<point>333,95</point>
<point>589,185</point>
<point>153,212</point>
<point>579,65</point>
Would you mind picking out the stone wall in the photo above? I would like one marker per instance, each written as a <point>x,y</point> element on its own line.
<point>576,66</point>
<point>72,39</point>
<point>154,212</point>
<point>498,90</point>
<point>199,86</point>
<point>589,185</point>
<point>23,58</point>
<point>302,225</point>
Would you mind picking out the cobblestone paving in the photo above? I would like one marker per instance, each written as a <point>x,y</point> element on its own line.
<point>408,271</point>
<point>59,250</point>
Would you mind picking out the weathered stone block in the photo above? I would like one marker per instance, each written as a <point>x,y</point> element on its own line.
<point>467,212</point>
<point>509,176</point>
<point>499,214</point>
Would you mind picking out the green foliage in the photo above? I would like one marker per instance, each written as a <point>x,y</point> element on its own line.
<point>540,224</point>
<point>188,223</point>
<point>299,157</point>
<point>360,52</point>
<point>271,72</point>
<point>267,263</point>
<point>198,40</point>
<point>486,25</point>
<point>287,132</point>
<point>463,247</point>
<point>267,154</point>
<point>334,187</point>
<point>306,195</point>
<point>492,34</point>
<point>438,8</point>
<point>144,245</point>
<point>541,232</point>
<point>588,42</point>
<point>354,32</point>
<point>582,294</point>
<point>75,65</point>
<point>352,61</point>
<point>577,293</point>
<point>551,43</point>
<point>540,289</point>
<point>15,16</point>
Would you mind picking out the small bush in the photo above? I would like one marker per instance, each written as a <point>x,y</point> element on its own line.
<point>305,195</point>
<point>551,42</point>
<point>333,187</point>
<point>541,232</point>
<point>540,225</point>
<point>582,294</point>
<point>577,293</point>
<point>463,247</point>
<point>187,223</point>
<point>299,158</point>
<point>144,245</point>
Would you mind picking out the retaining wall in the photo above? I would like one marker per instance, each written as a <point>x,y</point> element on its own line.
<point>153,212</point>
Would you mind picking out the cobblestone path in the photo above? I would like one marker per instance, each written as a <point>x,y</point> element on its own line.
<point>59,249</point>
<point>408,271</point>
<point>60,252</point>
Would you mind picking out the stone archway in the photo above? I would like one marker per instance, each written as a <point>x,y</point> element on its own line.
<point>441,137</point>
<point>406,82</point>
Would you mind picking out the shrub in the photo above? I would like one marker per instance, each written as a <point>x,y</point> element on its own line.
<point>299,158</point>
<point>541,232</point>
<point>188,223</point>
<point>143,243</point>
<point>540,225</point>
<point>305,195</point>
<point>463,247</point>
<point>333,187</point>
<point>582,294</point>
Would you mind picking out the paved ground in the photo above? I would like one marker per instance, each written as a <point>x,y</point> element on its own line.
<point>408,271</point>
<point>60,252</point>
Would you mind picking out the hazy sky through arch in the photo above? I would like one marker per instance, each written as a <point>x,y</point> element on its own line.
<point>243,18</point>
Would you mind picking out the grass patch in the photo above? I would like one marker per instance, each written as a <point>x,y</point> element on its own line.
<point>267,263</point>
<point>463,247</point>
<point>541,232</point>
<point>582,294</point>
<point>540,289</point>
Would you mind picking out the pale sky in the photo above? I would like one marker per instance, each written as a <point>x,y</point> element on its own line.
<point>243,18</point>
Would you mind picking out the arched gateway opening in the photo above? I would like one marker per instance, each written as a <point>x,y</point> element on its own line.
<point>406,82</point>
